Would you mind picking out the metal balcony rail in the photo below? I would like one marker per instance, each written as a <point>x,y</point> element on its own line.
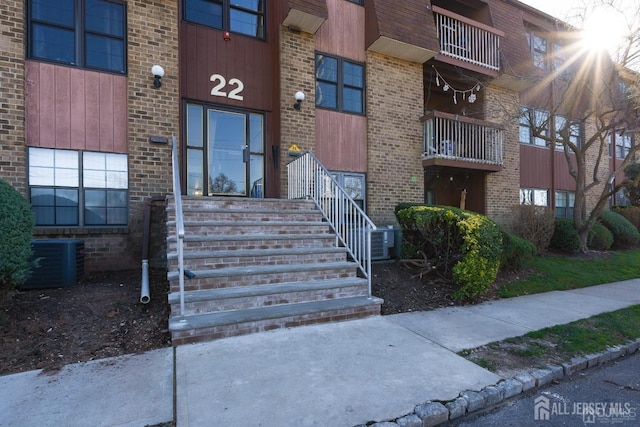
<point>309,179</point>
<point>467,40</point>
<point>448,136</point>
<point>177,195</point>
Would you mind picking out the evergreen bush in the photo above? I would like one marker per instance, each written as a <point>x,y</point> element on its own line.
<point>625,235</point>
<point>463,245</point>
<point>516,251</point>
<point>565,237</point>
<point>16,230</point>
<point>600,238</point>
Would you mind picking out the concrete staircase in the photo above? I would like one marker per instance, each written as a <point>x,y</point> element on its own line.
<point>259,264</point>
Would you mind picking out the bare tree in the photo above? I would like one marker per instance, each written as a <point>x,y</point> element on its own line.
<point>597,90</point>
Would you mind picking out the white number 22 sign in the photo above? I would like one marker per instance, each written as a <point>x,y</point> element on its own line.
<point>220,83</point>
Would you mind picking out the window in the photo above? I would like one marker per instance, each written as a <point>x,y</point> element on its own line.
<point>238,16</point>
<point>360,2</point>
<point>623,145</point>
<point>73,188</point>
<point>622,197</point>
<point>532,196</point>
<point>538,46</point>
<point>575,132</point>
<point>339,84</point>
<point>84,33</point>
<point>564,204</point>
<point>534,122</point>
<point>353,184</point>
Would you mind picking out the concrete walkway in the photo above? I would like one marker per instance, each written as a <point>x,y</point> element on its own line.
<point>340,374</point>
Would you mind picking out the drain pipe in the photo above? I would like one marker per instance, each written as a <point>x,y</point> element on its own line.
<point>144,286</point>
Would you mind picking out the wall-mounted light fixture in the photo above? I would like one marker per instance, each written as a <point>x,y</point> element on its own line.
<point>299,96</point>
<point>158,73</point>
<point>226,36</point>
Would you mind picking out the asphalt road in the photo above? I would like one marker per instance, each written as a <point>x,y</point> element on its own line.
<point>607,395</point>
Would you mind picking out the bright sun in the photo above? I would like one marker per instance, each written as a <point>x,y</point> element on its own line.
<point>604,29</point>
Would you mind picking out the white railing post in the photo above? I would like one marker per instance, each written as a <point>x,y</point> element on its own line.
<point>177,198</point>
<point>352,226</point>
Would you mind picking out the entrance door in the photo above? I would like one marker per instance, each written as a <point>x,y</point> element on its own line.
<point>225,152</point>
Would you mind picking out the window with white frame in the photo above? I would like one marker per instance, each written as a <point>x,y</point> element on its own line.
<point>78,188</point>
<point>534,196</point>
<point>534,126</point>
<point>565,201</point>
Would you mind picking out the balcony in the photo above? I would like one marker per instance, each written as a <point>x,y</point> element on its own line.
<point>456,141</point>
<point>467,41</point>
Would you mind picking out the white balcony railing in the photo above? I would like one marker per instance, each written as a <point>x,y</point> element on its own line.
<point>467,40</point>
<point>447,136</point>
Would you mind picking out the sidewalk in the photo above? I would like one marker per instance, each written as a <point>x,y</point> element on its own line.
<point>340,374</point>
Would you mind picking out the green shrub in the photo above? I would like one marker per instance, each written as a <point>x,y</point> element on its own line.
<point>16,229</point>
<point>600,238</point>
<point>625,235</point>
<point>565,237</point>
<point>516,251</point>
<point>535,224</point>
<point>465,245</point>
<point>632,213</point>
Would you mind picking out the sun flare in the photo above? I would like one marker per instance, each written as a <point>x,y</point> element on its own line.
<point>604,29</point>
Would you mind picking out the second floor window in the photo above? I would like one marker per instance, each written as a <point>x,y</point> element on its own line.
<point>339,84</point>
<point>574,129</point>
<point>623,145</point>
<point>534,126</point>
<point>538,46</point>
<point>84,33</point>
<point>238,16</point>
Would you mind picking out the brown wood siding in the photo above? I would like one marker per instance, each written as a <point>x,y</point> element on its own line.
<point>562,178</point>
<point>341,142</point>
<point>204,52</point>
<point>535,167</point>
<point>343,33</point>
<point>75,109</point>
<point>407,21</point>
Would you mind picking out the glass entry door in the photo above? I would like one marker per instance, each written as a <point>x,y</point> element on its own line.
<point>225,152</point>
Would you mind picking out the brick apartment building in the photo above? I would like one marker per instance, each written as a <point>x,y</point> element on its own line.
<point>404,101</point>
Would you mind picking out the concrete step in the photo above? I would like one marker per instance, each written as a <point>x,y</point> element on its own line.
<point>215,300</point>
<point>211,326</point>
<point>234,228</point>
<point>189,202</point>
<point>218,214</point>
<point>203,260</point>
<point>261,274</point>
<point>252,241</point>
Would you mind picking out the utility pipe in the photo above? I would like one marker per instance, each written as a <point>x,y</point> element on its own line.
<point>144,286</point>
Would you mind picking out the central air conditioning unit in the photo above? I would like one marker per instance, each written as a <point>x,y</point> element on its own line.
<point>60,263</point>
<point>382,240</point>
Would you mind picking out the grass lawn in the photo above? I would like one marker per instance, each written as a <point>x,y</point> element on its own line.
<point>562,273</point>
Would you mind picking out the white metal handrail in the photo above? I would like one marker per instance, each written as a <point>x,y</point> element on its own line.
<point>309,179</point>
<point>466,40</point>
<point>177,198</point>
<point>446,136</point>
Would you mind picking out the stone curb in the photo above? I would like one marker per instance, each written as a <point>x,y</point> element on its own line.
<point>434,413</point>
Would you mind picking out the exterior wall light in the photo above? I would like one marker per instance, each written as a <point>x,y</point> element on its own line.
<point>158,73</point>
<point>299,97</point>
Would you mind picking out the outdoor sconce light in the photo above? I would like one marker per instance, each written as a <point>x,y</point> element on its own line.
<point>299,98</point>
<point>226,36</point>
<point>158,73</point>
